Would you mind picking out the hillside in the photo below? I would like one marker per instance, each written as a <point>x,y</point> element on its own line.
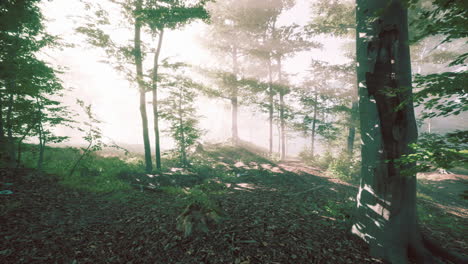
<point>231,206</point>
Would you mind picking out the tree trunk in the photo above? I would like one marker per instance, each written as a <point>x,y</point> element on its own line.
<point>42,143</point>
<point>386,202</point>
<point>183,153</point>
<point>3,143</point>
<point>352,128</point>
<point>234,95</point>
<point>20,143</point>
<point>155,100</point>
<point>270,110</point>
<point>234,106</point>
<point>281,111</point>
<point>10,140</point>
<point>314,122</point>
<point>141,86</point>
<point>2,129</point>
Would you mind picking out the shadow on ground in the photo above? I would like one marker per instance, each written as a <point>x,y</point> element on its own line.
<point>271,213</point>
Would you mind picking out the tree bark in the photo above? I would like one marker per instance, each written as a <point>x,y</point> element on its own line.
<point>386,202</point>
<point>3,143</point>
<point>141,86</point>
<point>2,129</point>
<point>234,96</point>
<point>42,143</point>
<point>270,110</point>
<point>352,128</point>
<point>9,126</point>
<point>182,135</point>
<point>155,99</point>
<point>314,122</point>
<point>281,110</point>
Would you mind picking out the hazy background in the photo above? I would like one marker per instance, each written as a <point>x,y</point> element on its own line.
<point>115,100</point>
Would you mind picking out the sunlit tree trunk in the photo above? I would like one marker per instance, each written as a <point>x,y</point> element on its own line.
<point>314,123</point>
<point>141,86</point>
<point>270,109</point>
<point>386,213</point>
<point>182,134</point>
<point>281,110</point>
<point>154,91</point>
<point>234,98</point>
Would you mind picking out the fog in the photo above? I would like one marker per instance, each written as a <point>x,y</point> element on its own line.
<point>115,100</point>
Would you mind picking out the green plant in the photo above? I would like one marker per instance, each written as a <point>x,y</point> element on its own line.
<point>344,167</point>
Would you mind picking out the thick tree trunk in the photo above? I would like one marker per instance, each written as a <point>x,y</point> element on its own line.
<point>141,86</point>
<point>352,128</point>
<point>2,129</point>
<point>270,109</point>
<point>3,143</point>
<point>234,100</point>
<point>386,203</point>
<point>155,100</point>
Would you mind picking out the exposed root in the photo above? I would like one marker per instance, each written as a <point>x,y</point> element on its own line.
<point>443,253</point>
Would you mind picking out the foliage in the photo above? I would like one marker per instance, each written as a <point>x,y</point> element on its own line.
<point>332,17</point>
<point>26,82</point>
<point>92,134</point>
<point>442,94</point>
<point>178,109</point>
<point>438,151</point>
<point>96,173</point>
<point>345,167</point>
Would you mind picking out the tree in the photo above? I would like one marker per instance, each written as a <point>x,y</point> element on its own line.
<point>240,29</point>
<point>156,16</point>
<point>93,134</point>
<point>160,16</point>
<point>386,214</point>
<point>26,82</point>
<point>323,99</point>
<point>122,56</point>
<point>178,109</point>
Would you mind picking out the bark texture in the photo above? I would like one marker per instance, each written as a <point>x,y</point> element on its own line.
<point>386,203</point>
<point>352,128</point>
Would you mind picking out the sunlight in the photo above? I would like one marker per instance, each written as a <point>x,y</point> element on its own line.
<point>193,131</point>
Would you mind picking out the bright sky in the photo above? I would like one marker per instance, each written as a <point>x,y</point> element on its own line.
<point>115,101</point>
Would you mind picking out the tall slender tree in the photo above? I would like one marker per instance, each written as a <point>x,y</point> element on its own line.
<point>161,16</point>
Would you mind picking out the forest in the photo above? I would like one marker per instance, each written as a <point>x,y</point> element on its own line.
<point>233,131</point>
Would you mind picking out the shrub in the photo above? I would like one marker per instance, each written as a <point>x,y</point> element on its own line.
<point>344,167</point>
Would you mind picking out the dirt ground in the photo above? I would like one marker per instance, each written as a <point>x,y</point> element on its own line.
<point>303,219</point>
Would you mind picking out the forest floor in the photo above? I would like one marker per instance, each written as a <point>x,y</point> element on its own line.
<point>270,213</point>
